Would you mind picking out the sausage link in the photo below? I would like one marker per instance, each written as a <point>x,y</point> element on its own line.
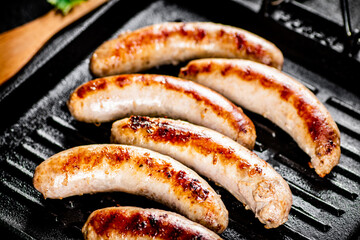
<point>168,42</point>
<point>250,179</point>
<point>110,167</point>
<point>278,97</point>
<point>117,223</point>
<point>111,98</point>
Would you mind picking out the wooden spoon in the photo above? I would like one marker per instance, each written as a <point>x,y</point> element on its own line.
<point>19,45</point>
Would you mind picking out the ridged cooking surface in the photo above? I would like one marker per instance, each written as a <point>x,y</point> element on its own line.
<point>325,208</point>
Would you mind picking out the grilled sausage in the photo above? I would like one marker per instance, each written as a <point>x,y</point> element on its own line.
<point>111,98</point>
<point>250,179</point>
<point>136,223</point>
<point>278,97</point>
<point>167,43</point>
<point>111,167</point>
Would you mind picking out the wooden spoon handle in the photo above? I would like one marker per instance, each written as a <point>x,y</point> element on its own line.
<point>19,45</point>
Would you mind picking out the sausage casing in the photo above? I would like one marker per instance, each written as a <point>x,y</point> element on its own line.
<point>166,43</point>
<point>250,179</point>
<point>136,223</point>
<point>111,98</point>
<point>278,97</point>
<point>111,167</point>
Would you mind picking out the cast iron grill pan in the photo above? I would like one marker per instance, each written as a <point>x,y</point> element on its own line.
<point>323,208</point>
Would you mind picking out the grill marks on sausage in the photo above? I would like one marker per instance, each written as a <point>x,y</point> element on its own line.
<point>192,185</point>
<point>316,123</point>
<point>92,86</point>
<point>122,81</point>
<point>195,33</point>
<point>140,224</point>
<point>134,42</point>
<point>159,131</point>
<point>236,117</point>
<point>85,160</point>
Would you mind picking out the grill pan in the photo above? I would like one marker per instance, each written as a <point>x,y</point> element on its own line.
<point>36,123</point>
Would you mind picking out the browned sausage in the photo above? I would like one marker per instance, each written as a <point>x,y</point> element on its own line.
<point>278,97</point>
<point>111,98</point>
<point>117,223</point>
<point>166,43</point>
<point>250,179</point>
<point>135,170</point>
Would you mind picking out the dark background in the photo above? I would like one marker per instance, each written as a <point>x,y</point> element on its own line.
<point>309,33</point>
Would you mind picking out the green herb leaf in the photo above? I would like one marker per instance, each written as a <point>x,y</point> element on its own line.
<point>65,5</point>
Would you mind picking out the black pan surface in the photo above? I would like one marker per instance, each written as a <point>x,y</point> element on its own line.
<point>36,123</point>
